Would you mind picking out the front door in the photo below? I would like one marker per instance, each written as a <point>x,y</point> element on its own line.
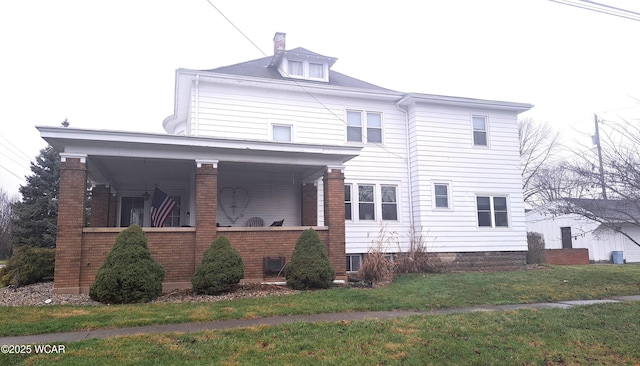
<point>565,233</point>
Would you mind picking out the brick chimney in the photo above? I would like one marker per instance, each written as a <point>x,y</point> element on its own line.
<point>279,43</point>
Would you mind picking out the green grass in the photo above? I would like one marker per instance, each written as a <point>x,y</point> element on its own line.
<point>420,292</point>
<point>588,335</point>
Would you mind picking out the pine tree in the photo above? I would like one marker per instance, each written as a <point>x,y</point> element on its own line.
<point>36,215</point>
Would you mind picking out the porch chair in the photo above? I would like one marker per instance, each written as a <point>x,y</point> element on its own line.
<point>255,222</point>
<point>278,223</point>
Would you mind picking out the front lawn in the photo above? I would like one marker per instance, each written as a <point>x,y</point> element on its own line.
<point>587,335</point>
<point>418,292</point>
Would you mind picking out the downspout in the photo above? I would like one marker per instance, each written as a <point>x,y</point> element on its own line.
<point>409,180</point>
<point>197,105</point>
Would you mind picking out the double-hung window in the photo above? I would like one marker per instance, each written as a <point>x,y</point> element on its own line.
<point>389,203</point>
<point>492,211</point>
<point>366,202</point>
<point>480,131</point>
<point>364,126</point>
<point>441,195</point>
<point>347,202</point>
<point>370,202</point>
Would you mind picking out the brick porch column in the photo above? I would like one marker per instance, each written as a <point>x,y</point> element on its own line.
<point>309,204</point>
<point>206,206</point>
<point>100,199</point>
<point>71,202</point>
<point>334,219</point>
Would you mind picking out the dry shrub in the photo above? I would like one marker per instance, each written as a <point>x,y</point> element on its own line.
<point>417,259</point>
<point>375,266</point>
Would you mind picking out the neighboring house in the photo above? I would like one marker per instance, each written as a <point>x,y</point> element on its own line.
<point>287,138</point>
<point>599,228</point>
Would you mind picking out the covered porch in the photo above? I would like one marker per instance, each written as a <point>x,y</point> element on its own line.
<point>221,187</point>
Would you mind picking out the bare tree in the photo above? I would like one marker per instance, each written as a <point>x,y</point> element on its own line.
<point>620,178</point>
<point>539,145</point>
<point>6,218</point>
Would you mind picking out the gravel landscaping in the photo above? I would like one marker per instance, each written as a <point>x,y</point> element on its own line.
<point>40,294</point>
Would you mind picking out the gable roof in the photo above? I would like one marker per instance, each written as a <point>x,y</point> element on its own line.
<point>259,68</point>
<point>610,210</point>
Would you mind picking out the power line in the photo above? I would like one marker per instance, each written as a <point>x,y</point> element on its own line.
<point>28,158</point>
<point>10,158</point>
<point>14,174</point>
<point>593,6</point>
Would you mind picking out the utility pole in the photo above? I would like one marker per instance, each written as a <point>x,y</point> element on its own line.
<point>597,142</point>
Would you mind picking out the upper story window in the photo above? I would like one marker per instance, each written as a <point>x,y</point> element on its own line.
<point>480,131</point>
<point>303,69</point>
<point>492,211</point>
<point>316,71</point>
<point>364,126</point>
<point>295,68</point>
<point>281,133</point>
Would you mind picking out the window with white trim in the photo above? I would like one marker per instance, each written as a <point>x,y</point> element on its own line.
<point>347,202</point>
<point>353,262</point>
<point>441,195</point>
<point>295,68</point>
<point>303,69</point>
<point>316,71</point>
<point>364,126</point>
<point>366,202</point>
<point>492,211</point>
<point>389,203</point>
<point>480,131</point>
<point>281,132</point>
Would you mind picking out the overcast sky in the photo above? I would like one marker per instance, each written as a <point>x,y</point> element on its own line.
<point>111,64</point>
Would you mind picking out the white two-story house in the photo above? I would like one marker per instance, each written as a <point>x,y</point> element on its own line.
<point>288,141</point>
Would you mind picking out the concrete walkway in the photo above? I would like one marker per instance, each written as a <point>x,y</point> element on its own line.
<point>53,338</point>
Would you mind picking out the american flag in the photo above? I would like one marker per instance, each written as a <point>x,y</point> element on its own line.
<point>161,207</point>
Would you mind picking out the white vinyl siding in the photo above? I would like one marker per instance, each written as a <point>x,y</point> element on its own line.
<point>441,151</point>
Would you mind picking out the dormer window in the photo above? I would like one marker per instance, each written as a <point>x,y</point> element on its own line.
<point>305,69</point>
<point>295,68</point>
<point>316,71</point>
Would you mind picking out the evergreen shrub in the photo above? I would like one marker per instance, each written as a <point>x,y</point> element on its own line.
<point>220,270</point>
<point>309,267</point>
<point>129,274</point>
<point>28,265</point>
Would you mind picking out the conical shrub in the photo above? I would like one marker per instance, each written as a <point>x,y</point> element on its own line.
<point>309,267</point>
<point>221,269</point>
<point>129,274</point>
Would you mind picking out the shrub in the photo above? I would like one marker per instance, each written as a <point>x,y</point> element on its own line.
<point>309,266</point>
<point>535,254</point>
<point>417,259</point>
<point>129,274</point>
<point>221,269</point>
<point>376,267</point>
<point>28,265</point>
